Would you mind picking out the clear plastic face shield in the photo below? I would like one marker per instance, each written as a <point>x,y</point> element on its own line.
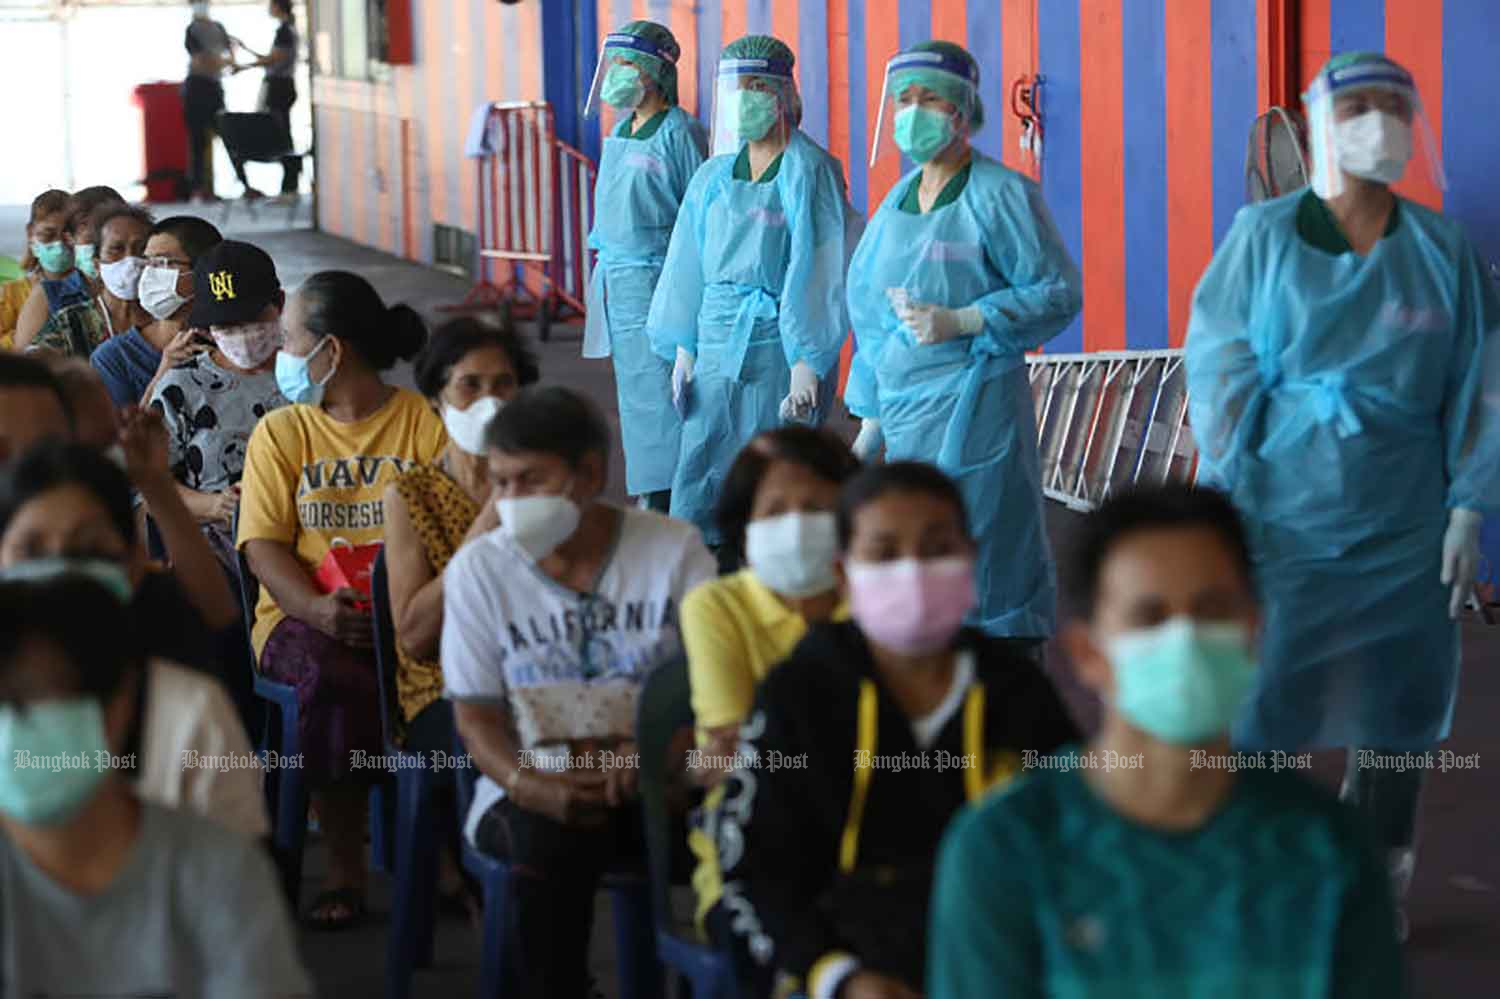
<point>753,102</point>
<point>619,80</point>
<point>1366,121</point>
<point>919,117</point>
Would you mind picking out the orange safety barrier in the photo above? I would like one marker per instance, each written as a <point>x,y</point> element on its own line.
<point>536,205</point>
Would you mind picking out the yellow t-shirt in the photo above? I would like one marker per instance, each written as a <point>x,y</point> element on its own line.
<point>13,295</point>
<point>310,479</point>
<point>735,630</point>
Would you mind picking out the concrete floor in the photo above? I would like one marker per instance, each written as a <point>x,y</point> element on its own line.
<point>1455,904</point>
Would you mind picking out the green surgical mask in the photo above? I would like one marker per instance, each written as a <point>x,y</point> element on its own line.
<point>55,257</point>
<point>623,87</point>
<point>922,134</point>
<point>55,756</point>
<point>83,258</point>
<point>753,112</point>
<point>1183,681</point>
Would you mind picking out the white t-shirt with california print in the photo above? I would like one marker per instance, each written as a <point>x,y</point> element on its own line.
<point>568,665</point>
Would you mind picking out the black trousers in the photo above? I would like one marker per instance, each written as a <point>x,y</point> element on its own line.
<point>202,100</point>
<point>557,873</point>
<point>277,95</point>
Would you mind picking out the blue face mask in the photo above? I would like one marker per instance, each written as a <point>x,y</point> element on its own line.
<point>83,259</point>
<point>294,380</point>
<point>55,257</point>
<point>753,112</point>
<point>55,755</point>
<point>922,133</point>
<point>1183,681</point>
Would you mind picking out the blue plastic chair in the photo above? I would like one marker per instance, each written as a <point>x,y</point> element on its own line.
<point>664,708</point>
<point>636,963</point>
<point>286,786</point>
<point>416,839</point>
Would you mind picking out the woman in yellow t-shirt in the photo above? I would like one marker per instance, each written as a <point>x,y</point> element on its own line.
<point>315,472</point>
<point>777,508</point>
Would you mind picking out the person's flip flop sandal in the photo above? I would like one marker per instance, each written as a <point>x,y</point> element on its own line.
<point>328,900</point>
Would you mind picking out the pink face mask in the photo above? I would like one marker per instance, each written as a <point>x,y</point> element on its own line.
<point>911,606</point>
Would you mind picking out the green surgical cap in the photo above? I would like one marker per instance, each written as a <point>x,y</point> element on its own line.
<point>759,47</point>
<point>956,92</point>
<point>662,71</point>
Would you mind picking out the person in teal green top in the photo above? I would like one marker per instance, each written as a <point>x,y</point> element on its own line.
<point>644,171</point>
<point>960,272</point>
<point>1151,863</point>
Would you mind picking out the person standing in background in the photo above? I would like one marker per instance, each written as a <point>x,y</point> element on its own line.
<point>278,92</point>
<point>209,51</point>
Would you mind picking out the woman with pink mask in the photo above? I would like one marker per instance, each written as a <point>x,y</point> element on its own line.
<point>866,742</point>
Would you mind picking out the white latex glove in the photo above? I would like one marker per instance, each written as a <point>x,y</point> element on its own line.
<point>682,382</point>
<point>1460,557</point>
<point>867,443</point>
<point>803,396</point>
<point>933,324</point>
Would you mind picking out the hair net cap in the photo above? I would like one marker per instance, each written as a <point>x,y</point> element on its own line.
<point>964,93</point>
<point>1357,70</point>
<point>661,65</point>
<point>759,47</point>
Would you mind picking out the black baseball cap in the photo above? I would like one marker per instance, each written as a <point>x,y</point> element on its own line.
<point>232,283</point>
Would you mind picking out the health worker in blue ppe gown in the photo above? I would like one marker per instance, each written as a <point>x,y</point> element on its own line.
<point>1343,377</point>
<point>750,308</point>
<point>959,273</point>
<point>648,160</point>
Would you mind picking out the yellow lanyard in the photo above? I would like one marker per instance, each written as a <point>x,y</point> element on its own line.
<point>976,781</point>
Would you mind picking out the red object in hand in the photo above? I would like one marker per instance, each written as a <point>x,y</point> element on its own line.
<point>347,567</point>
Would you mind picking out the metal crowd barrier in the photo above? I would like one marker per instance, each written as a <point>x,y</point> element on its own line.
<point>536,203</point>
<point>1109,419</point>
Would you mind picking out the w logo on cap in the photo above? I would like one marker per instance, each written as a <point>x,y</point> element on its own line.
<point>221,283</point>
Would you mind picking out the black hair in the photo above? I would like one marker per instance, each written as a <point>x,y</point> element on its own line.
<point>89,200</point>
<point>550,420</point>
<point>49,202</point>
<point>111,210</point>
<point>344,305</point>
<point>896,477</point>
<point>102,654</point>
<point>1145,509</point>
<point>54,464</point>
<point>196,236</point>
<point>19,371</point>
<point>455,339</point>
<point>285,6</point>
<point>821,452</point>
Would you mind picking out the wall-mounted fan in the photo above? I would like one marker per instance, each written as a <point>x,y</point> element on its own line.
<point>1276,160</point>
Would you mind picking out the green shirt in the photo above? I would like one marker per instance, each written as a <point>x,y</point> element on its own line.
<point>645,131</point>
<point>1320,230</point>
<point>911,202</point>
<point>1045,890</point>
<point>742,167</point>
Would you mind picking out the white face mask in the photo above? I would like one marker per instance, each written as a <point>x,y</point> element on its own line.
<point>792,554</point>
<point>466,426</point>
<point>123,277</point>
<point>158,292</point>
<point>1375,146</point>
<point>538,524</point>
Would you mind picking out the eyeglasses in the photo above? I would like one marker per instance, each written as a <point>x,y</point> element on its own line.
<point>173,262</point>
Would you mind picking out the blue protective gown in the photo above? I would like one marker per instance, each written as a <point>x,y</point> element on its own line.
<point>966,405</point>
<point>753,283</point>
<point>641,183</point>
<point>1346,404</point>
